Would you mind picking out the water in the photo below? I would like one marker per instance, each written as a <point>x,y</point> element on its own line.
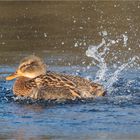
<point>95,40</point>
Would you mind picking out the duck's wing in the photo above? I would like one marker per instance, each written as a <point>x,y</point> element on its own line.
<point>55,82</point>
<point>86,88</point>
<point>54,85</point>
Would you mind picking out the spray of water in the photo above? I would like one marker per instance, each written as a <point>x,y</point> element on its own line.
<point>112,79</point>
<point>98,59</point>
<point>103,75</point>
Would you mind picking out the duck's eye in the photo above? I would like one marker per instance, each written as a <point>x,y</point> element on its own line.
<point>34,64</point>
<point>23,67</point>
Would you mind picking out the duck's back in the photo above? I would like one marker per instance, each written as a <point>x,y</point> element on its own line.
<point>62,86</point>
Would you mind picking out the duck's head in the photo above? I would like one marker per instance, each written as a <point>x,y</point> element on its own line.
<point>30,67</point>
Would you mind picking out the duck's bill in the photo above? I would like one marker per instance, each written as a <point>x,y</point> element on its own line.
<point>12,76</point>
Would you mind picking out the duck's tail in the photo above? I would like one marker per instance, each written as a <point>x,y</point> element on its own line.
<point>98,90</point>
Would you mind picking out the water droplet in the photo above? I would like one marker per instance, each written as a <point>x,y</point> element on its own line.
<point>62,43</point>
<point>74,21</point>
<point>76,44</point>
<point>45,35</point>
<point>3,43</point>
<point>18,37</point>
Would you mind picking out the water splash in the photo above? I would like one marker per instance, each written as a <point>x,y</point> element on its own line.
<point>112,79</point>
<point>99,54</point>
<point>98,59</point>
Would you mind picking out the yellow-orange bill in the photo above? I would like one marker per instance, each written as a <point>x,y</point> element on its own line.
<point>12,76</point>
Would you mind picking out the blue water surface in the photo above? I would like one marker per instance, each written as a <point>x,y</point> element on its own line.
<point>115,116</point>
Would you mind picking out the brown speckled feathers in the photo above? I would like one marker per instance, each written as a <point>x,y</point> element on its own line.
<point>65,86</point>
<point>33,81</point>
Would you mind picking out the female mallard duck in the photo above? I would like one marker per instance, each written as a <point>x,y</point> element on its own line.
<point>33,80</point>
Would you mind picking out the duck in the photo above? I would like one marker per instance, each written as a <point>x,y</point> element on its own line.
<point>33,80</point>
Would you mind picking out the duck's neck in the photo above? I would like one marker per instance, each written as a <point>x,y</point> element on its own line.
<point>21,87</point>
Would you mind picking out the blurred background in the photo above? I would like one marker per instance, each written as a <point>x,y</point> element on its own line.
<point>61,32</point>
